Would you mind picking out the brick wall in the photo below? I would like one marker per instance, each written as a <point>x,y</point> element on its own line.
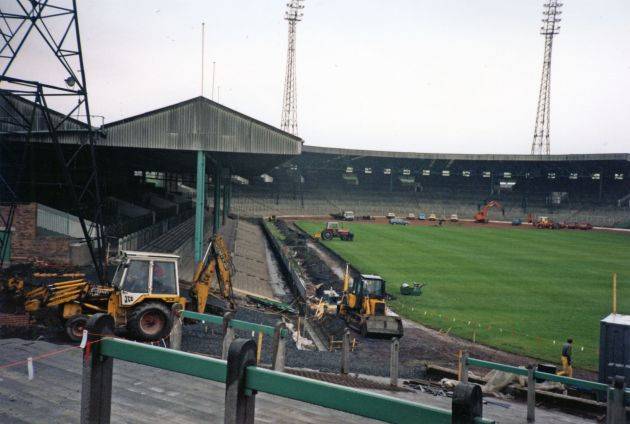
<point>26,245</point>
<point>13,320</point>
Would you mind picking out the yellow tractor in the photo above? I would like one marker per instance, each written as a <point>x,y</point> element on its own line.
<point>363,307</point>
<point>140,296</point>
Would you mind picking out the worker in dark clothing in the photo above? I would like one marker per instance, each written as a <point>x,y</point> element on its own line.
<point>567,359</point>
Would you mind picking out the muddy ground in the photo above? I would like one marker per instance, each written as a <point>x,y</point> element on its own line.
<point>497,222</point>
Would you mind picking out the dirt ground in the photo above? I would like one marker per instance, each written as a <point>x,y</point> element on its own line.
<point>462,222</point>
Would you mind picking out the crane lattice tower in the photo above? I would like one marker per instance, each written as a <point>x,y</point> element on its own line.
<point>56,80</point>
<point>550,27</point>
<point>289,104</point>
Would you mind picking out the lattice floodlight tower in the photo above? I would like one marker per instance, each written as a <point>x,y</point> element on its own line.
<point>289,105</point>
<point>550,27</point>
<point>41,70</point>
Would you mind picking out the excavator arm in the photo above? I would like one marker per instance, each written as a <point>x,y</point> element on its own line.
<point>482,215</point>
<point>55,294</point>
<point>217,261</point>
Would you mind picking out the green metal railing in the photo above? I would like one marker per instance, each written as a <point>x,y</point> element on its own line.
<point>616,395</point>
<point>340,398</point>
<point>568,381</point>
<point>574,382</point>
<point>233,323</point>
<point>496,366</point>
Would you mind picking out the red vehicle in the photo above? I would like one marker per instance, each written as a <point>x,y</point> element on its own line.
<point>482,216</point>
<point>333,229</point>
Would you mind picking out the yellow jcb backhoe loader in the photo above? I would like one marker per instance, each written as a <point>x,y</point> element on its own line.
<point>363,307</point>
<point>140,296</point>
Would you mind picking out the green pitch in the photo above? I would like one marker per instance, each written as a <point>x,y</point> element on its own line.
<point>517,289</point>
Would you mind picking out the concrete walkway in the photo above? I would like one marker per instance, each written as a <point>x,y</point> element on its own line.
<point>514,412</point>
<point>250,260</point>
<point>140,394</point>
<point>144,395</point>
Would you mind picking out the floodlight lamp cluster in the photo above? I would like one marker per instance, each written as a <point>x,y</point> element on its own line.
<point>293,13</point>
<point>550,18</point>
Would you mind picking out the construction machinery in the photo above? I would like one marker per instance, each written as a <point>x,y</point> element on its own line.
<point>140,296</point>
<point>216,261</point>
<point>348,216</point>
<point>334,230</point>
<point>411,288</point>
<point>363,307</point>
<point>544,222</point>
<point>482,215</point>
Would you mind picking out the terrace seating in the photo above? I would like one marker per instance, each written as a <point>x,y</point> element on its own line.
<point>257,201</point>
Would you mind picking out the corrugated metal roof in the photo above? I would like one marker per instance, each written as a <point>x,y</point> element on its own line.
<point>200,124</point>
<point>16,112</point>
<point>468,157</point>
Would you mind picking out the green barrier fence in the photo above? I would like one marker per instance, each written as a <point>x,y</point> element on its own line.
<point>212,319</point>
<point>497,366</point>
<point>569,381</point>
<point>96,394</point>
<point>616,394</point>
<point>234,323</point>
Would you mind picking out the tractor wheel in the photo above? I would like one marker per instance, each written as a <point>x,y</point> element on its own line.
<point>327,235</point>
<point>149,321</point>
<point>74,327</point>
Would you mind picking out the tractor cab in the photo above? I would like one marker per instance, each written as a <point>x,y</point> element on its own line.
<point>145,286</point>
<point>333,225</point>
<point>368,294</point>
<point>364,308</point>
<point>372,286</point>
<point>141,273</point>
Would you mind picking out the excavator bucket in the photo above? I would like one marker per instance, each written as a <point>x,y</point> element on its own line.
<point>383,325</point>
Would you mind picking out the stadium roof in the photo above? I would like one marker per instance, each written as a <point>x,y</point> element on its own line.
<point>163,139</point>
<point>16,112</point>
<point>200,124</point>
<point>194,124</point>
<point>467,157</point>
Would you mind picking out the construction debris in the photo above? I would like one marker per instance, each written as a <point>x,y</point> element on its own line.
<point>271,303</point>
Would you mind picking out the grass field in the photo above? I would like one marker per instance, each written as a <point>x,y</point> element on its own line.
<point>516,289</point>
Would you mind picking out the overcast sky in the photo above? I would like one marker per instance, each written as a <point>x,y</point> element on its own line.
<point>416,75</point>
